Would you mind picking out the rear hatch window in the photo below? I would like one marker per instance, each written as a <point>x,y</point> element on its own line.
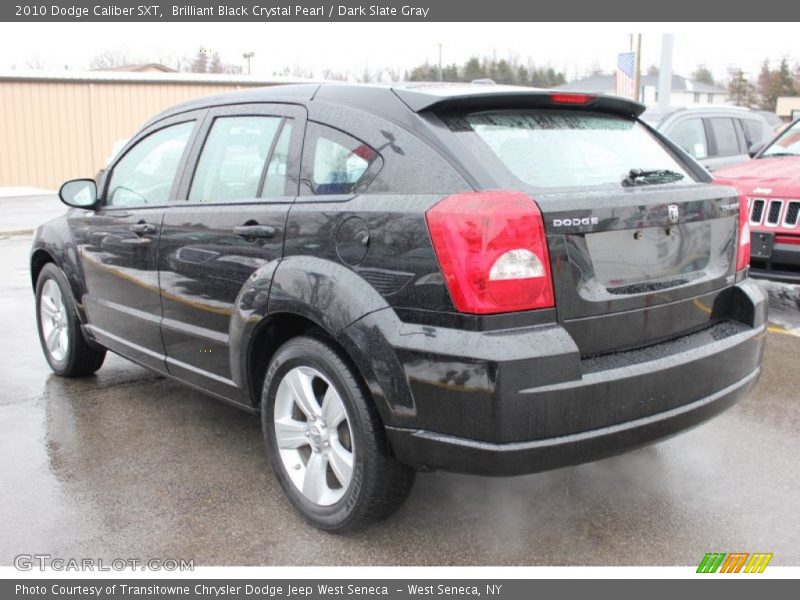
<point>562,148</point>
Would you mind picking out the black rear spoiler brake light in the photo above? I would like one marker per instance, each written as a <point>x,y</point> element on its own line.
<point>420,101</point>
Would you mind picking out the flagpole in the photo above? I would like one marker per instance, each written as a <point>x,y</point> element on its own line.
<point>637,78</point>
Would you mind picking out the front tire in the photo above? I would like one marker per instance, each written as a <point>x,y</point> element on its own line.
<point>325,440</point>
<point>65,349</point>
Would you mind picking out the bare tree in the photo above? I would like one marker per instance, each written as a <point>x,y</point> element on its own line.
<point>740,90</point>
<point>199,63</point>
<point>368,76</point>
<point>215,64</point>
<point>35,63</point>
<point>108,60</point>
<point>596,69</point>
<point>393,74</point>
<point>298,71</point>
<point>774,83</point>
<point>331,75</point>
<point>206,61</point>
<point>703,75</point>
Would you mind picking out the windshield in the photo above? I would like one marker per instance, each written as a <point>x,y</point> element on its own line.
<point>786,144</point>
<point>562,148</point>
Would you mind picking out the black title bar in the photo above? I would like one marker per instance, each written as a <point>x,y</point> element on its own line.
<point>730,587</point>
<point>410,10</point>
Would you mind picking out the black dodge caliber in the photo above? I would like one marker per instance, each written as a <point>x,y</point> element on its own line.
<point>477,278</point>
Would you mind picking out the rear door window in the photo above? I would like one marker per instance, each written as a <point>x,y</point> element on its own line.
<point>277,170</point>
<point>232,164</point>
<point>562,148</point>
<point>690,135</point>
<point>727,139</point>
<point>336,163</point>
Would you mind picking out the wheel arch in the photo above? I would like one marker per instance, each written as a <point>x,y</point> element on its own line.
<point>267,336</point>
<point>39,258</point>
<point>313,296</point>
<point>54,243</point>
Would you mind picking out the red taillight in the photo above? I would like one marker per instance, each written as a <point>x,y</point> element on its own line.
<point>743,248</point>
<point>492,249</point>
<point>571,98</point>
<point>743,253</point>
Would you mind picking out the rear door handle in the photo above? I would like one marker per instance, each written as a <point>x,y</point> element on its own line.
<point>143,228</point>
<point>254,231</point>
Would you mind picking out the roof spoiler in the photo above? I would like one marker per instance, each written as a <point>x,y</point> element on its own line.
<point>487,99</point>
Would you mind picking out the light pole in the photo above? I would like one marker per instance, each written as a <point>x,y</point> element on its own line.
<point>637,75</point>
<point>247,56</point>
<point>665,73</point>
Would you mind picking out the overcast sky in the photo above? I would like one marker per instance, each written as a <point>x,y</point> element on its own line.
<point>352,47</point>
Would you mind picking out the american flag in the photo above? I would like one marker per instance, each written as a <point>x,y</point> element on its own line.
<point>625,84</point>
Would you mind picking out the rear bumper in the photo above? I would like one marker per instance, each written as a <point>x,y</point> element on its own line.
<point>429,450</point>
<point>524,400</point>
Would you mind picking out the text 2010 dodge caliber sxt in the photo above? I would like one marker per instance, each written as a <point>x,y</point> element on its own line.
<point>477,278</point>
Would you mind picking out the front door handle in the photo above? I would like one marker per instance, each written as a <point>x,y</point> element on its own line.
<point>254,231</point>
<point>142,228</point>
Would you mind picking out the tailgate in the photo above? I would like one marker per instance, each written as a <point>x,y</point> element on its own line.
<point>634,267</point>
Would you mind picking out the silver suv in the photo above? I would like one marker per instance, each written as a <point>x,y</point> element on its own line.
<point>716,136</point>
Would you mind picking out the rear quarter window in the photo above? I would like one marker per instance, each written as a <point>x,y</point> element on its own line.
<point>335,163</point>
<point>563,148</point>
<point>753,131</point>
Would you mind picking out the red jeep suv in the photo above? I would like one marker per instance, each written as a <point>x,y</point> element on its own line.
<point>771,184</point>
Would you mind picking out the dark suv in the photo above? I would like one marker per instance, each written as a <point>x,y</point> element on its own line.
<point>476,278</point>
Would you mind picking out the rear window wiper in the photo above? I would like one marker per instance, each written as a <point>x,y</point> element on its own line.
<point>645,177</point>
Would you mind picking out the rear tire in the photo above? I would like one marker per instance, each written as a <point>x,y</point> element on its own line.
<point>64,346</point>
<point>329,450</point>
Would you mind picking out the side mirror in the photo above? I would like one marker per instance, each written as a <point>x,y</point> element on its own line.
<point>79,193</point>
<point>755,148</point>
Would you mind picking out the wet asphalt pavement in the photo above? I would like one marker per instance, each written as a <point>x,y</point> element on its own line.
<point>128,464</point>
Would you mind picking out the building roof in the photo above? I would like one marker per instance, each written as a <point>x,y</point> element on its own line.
<point>598,84</point>
<point>147,77</point>
<point>142,68</point>
<point>787,104</point>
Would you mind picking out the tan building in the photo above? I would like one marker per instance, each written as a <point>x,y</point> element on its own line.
<point>61,125</point>
<point>788,108</point>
